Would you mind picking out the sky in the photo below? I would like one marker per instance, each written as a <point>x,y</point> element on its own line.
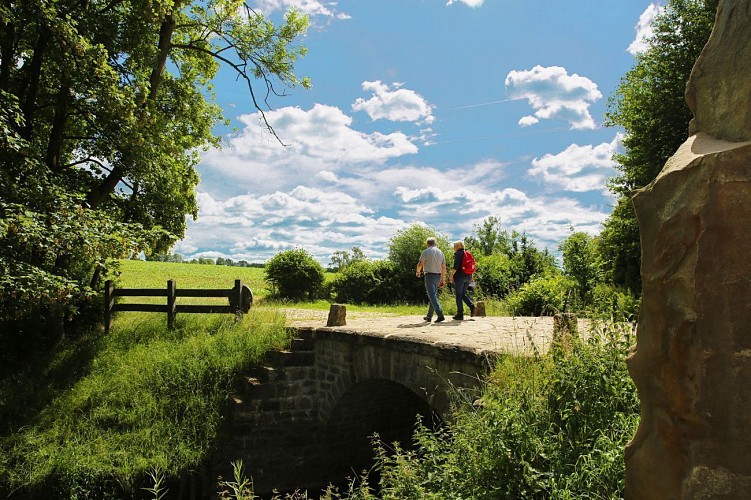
<point>422,112</point>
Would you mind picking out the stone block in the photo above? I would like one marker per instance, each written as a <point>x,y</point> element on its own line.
<point>337,315</point>
<point>479,308</point>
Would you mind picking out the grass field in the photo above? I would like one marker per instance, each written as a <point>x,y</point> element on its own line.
<point>142,274</point>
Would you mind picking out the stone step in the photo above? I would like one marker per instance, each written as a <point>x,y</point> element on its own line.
<point>302,344</point>
<point>297,333</point>
<point>291,358</point>
<point>264,373</point>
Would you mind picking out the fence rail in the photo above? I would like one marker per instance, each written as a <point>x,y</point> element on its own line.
<point>240,300</point>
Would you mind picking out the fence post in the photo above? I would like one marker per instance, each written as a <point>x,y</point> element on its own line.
<point>237,293</point>
<point>109,291</point>
<point>171,299</point>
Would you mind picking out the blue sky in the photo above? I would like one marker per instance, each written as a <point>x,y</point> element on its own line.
<point>423,111</point>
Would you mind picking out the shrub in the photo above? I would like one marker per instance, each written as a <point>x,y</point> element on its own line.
<point>494,275</point>
<point>294,275</point>
<point>614,303</point>
<point>355,283</point>
<point>543,296</point>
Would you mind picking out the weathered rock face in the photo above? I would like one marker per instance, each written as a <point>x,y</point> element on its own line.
<point>692,364</point>
<point>719,89</point>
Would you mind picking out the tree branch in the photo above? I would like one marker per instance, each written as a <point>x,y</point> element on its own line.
<point>241,70</point>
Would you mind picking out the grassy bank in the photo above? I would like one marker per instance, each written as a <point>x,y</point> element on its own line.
<point>142,399</point>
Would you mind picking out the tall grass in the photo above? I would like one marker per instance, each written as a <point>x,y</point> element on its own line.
<point>552,427</point>
<point>146,399</point>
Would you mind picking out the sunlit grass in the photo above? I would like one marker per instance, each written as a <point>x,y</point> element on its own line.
<point>147,398</point>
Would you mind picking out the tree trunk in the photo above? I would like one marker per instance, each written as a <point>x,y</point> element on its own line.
<point>55,144</point>
<point>100,193</point>
<point>7,62</point>
<point>32,85</point>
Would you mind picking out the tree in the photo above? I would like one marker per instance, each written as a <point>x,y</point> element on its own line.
<point>490,237</point>
<point>342,259</point>
<point>649,104</point>
<point>405,248</point>
<point>104,106</point>
<point>579,254</point>
<point>294,275</point>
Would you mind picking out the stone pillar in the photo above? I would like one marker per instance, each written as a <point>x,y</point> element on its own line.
<point>337,315</point>
<point>692,363</point>
<point>479,308</point>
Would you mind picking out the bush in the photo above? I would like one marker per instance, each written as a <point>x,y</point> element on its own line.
<point>543,296</point>
<point>494,276</point>
<point>294,275</point>
<point>614,303</point>
<point>354,283</point>
<point>366,282</point>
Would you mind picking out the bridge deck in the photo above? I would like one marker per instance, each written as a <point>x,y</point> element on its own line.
<point>480,335</point>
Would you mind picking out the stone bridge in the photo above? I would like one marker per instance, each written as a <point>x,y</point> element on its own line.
<point>305,417</point>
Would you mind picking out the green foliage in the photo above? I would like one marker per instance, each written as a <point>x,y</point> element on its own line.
<point>490,239</point>
<point>649,105</point>
<point>542,296</point>
<point>241,488</point>
<point>52,261</point>
<point>144,399</point>
<point>614,303</point>
<point>494,275</point>
<point>365,282</point>
<point>405,248</point>
<point>294,275</point>
<point>544,428</point>
<point>342,258</point>
<point>104,108</point>
<point>619,246</point>
<point>580,264</point>
<point>506,262</point>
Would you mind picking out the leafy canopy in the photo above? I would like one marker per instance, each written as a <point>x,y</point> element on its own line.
<point>104,108</point>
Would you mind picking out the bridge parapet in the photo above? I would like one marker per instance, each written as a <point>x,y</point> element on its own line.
<point>432,372</point>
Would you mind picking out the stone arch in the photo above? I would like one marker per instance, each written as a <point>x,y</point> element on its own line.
<point>433,373</point>
<point>374,406</point>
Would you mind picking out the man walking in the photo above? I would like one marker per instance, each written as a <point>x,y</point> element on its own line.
<point>433,264</point>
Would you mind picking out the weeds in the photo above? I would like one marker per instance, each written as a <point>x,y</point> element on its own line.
<point>547,428</point>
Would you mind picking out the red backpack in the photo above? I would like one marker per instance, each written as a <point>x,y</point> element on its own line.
<point>468,263</point>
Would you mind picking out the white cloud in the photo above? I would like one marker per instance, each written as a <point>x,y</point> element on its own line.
<point>327,176</point>
<point>553,93</point>
<point>394,103</point>
<point>255,227</point>
<point>546,219</point>
<point>578,168</point>
<point>644,29</point>
<point>469,3</point>
<point>309,7</point>
<point>366,206</point>
<point>319,139</point>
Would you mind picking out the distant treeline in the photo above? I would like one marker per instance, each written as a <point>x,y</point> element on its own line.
<point>220,261</point>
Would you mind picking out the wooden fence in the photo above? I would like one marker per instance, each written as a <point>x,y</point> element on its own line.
<point>240,299</point>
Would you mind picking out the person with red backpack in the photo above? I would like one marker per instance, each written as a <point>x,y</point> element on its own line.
<point>464,267</point>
